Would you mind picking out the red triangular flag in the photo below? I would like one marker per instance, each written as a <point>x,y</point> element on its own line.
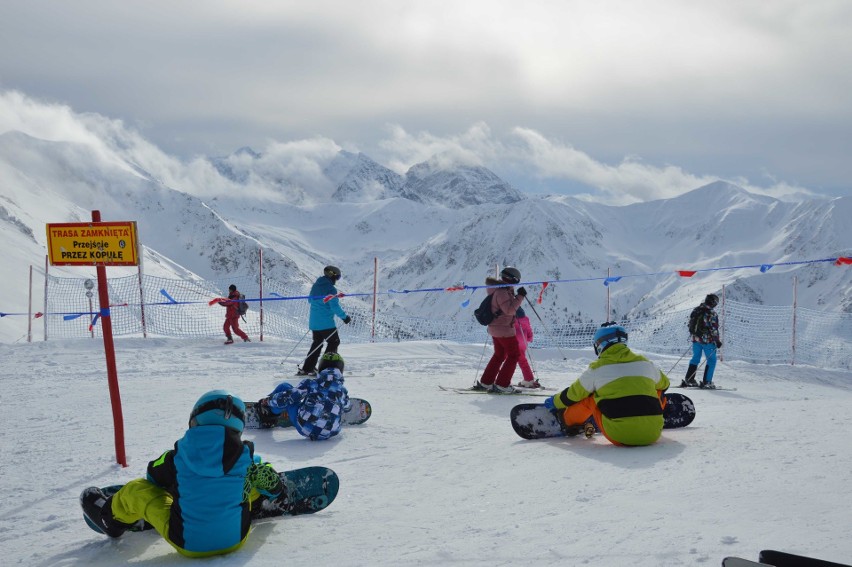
<point>543,287</point>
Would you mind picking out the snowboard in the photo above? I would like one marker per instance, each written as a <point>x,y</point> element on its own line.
<point>534,421</point>
<point>306,490</point>
<point>360,412</point>
<point>783,559</point>
<point>740,562</point>
<point>517,392</point>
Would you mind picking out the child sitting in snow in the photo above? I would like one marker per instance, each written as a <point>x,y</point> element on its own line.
<point>315,406</point>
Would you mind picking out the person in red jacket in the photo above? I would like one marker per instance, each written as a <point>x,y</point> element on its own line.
<point>497,376</point>
<point>232,316</point>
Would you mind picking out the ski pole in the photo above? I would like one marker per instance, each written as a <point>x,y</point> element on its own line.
<point>295,347</point>
<point>679,359</point>
<point>564,357</point>
<point>319,346</point>
<point>479,364</point>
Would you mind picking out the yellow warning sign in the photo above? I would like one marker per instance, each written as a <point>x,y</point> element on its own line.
<point>92,244</point>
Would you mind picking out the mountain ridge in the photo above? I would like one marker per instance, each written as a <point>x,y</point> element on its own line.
<point>435,226</point>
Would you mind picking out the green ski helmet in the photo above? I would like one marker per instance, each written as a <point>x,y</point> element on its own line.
<point>330,360</point>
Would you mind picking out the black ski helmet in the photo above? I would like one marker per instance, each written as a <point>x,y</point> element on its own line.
<point>232,287</point>
<point>712,300</point>
<point>332,272</point>
<point>510,275</point>
<point>330,360</point>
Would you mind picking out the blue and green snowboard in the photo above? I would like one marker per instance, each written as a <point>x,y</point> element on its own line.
<point>307,490</point>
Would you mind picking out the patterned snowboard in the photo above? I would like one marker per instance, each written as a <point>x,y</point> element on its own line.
<point>360,412</point>
<point>534,421</point>
<point>308,490</point>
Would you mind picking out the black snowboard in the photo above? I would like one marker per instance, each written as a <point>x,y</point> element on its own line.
<point>534,421</point>
<point>782,559</point>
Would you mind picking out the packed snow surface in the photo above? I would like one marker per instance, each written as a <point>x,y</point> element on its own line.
<point>435,478</point>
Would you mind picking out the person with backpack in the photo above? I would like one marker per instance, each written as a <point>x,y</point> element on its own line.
<point>704,331</point>
<point>497,376</point>
<point>200,495</point>
<point>621,393</point>
<point>315,406</point>
<point>324,307</point>
<point>232,315</point>
<point>524,334</point>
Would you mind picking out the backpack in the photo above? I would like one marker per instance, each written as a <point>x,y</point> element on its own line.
<point>242,306</point>
<point>696,321</point>
<point>484,315</point>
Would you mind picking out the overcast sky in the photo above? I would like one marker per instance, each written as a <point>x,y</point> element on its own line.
<point>624,100</point>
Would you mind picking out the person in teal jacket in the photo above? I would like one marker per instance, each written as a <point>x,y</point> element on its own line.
<point>621,391</point>
<point>199,495</point>
<point>324,307</point>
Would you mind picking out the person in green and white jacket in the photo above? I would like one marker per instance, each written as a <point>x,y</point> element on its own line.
<point>621,391</point>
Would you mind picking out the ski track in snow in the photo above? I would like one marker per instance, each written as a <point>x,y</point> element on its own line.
<point>435,478</point>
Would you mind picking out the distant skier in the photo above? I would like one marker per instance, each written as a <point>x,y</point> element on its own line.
<point>497,375</point>
<point>524,333</point>
<point>232,316</point>
<point>621,392</point>
<point>315,406</point>
<point>324,306</point>
<point>199,495</point>
<point>704,330</point>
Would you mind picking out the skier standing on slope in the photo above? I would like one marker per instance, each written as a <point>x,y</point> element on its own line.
<point>497,375</point>
<point>324,306</point>
<point>704,331</point>
<point>232,316</point>
<point>524,333</point>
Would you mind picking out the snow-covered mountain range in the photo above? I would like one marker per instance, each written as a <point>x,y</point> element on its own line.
<point>439,224</point>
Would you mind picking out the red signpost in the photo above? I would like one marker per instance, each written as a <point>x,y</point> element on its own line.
<point>99,244</point>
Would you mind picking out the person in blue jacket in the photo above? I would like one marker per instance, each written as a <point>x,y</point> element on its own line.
<point>199,495</point>
<point>324,306</point>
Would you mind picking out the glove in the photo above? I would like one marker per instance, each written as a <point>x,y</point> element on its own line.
<point>718,344</point>
<point>548,403</point>
<point>347,320</point>
<point>522,292</point>
<point>264,479</point>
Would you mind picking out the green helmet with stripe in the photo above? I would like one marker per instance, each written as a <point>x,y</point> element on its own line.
<point>330,360</point>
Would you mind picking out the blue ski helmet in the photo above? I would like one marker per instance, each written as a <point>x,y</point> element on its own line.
<point>218,407</point>
<point>608,335</point>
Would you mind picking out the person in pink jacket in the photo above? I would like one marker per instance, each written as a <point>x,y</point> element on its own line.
<point>497,376</point>
<point>524,334</point>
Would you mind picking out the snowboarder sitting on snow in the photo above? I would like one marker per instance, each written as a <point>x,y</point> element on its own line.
<point>199,495</point>
<point>621,391</point>
<point>315,406</point>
